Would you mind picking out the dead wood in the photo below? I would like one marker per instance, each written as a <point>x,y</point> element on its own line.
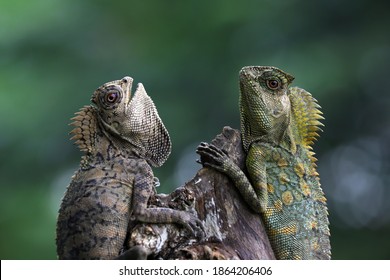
<point>232,230</point>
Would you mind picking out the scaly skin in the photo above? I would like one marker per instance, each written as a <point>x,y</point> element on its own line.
<point>122,137</point>
<point>279,124</point>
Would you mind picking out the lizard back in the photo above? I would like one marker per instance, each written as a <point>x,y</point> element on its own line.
<point>93,221</point>
<point>296,216</point>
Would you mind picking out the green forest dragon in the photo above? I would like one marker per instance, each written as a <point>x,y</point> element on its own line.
<point>279,125</point>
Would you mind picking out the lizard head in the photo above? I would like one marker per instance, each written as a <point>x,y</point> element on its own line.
<point>264,104</point>
<point>134,120</point>
<point>112,101</point>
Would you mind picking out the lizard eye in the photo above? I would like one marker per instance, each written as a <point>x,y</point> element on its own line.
<point>273,84</point>
<point>112,97</point>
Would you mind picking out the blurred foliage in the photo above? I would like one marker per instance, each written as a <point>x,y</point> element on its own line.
<point>54,53</point>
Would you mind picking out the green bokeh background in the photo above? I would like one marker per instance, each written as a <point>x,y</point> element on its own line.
<point>54,53</point>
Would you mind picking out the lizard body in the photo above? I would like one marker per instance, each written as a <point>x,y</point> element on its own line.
<point>122,137</point>
<point>278,126</point>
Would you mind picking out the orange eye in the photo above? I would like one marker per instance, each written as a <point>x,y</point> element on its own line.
<point>273,84</point>
<point>112,97</point>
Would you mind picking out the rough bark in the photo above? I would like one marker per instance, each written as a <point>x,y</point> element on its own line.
<point>232,230</point>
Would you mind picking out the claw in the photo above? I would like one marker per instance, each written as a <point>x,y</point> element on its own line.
<point>208,150</point>
<point>195,226</point>
<point>225,152</point>
<point>214,157</point>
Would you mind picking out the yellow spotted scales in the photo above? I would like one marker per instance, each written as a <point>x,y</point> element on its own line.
<point>279,125</point>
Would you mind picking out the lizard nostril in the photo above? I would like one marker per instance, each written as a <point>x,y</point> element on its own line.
<point>126,80</point>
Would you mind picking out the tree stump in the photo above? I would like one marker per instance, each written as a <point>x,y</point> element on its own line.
<point>232,229</point>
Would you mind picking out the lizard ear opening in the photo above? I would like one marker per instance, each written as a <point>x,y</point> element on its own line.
<point>147,130</point>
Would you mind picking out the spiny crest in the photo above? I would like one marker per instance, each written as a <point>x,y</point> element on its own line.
<point>84,132</point>
<point>147,131</point>
<point>306,116</point>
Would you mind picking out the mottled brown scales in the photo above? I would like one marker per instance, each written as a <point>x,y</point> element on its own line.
<point>279,126</point>
<point>122,137</point>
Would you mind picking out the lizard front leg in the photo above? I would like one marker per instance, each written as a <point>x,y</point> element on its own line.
<point>254,194</point>
<point>143,189</point>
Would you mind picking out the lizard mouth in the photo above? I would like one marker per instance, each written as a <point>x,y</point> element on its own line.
<point>133,95</point>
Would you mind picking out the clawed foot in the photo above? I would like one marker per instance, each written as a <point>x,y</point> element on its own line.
<point>193,225</point>
<point>156,182</point>
<point>211,156</point>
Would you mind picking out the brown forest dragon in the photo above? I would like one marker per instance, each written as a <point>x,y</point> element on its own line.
<point>122,137</point>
